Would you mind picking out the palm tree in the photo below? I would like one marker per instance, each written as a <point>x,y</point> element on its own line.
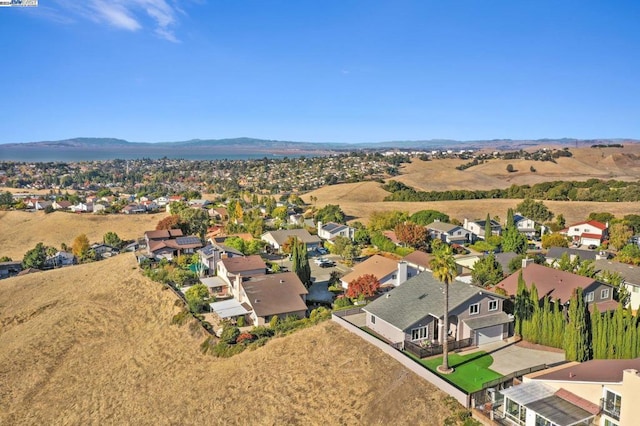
<point>443,266</point>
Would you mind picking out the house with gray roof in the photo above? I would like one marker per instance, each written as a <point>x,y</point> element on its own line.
<point>277,238</point>
<point>450,233</point>
<point>414,312</point>
<point>328,231</point>
<point>629,273</point>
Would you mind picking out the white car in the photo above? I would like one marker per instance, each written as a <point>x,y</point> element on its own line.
<point>320,260</point>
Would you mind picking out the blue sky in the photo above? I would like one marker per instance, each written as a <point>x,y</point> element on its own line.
<point>334,71</point>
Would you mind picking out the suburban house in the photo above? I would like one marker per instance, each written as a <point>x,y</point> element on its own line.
<point>134,209</point>
<point>450,233</point>
<point>477,227</point>
<point>602,392</point>
<point>10,269</point>
<point>219,213</point>
<point>277,238</point>
<point>328,231</point>
<point>555,253</point>
<point>82,208</point>
<point>560,285</point>
<point>39,204</point>
<point>629,273</point>
<point>61,204</point>
<point>524,225</point>
<point>392,236</point>
<point>390,273</point>
<point>100,207</point>
<point>419,260</point>
<point>231,267</point>
<point>259,298</point>
<point>211,254</point>
<point>414,312</point>
<point>61,258</point>
<point>170,243</point>
<point>587,233</point>
<point>104,250</point>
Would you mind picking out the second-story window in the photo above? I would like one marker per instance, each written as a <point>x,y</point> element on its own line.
<point>588,297</point>
<point>493,305</point>
<point>474,309</point>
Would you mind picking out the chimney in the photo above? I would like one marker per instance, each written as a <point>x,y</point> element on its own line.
<point>466,223</point>
<point>319,227</point>
<point>402,272</point>
<point>526,262</point>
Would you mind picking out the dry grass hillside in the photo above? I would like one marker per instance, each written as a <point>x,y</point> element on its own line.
<point>21,231</point>
<point>361,199</point>
<point>93,344</point>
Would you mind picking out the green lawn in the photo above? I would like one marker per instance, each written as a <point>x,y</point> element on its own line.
<point>471,370</point>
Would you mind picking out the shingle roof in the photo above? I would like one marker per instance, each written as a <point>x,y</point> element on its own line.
<point>442,226</point>
<point>238,265</point>
<point>303,235</point>
<point>488,320</point>
<point>557,252</point>
<point>163,233</point>
<point>275,294</point>
<point>419,296</point>
<point>377,265</point>
<point>630,273</point>
<point>419,258</point>
<point>333,227</point>
<point>549,282</point>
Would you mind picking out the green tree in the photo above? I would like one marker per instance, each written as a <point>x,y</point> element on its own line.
<point>487,228</point>
<point>196,297</point>
<point>112,239</point>
<point>487,272</point>
<point>629,254</point>
<point>362,236</point>
<point>330,213</point>
<point>300,262</point>
<point>514,241</point>
<point>603,217</point>
<point>194,222</point>
<point>236,242</point>
<point>444,269</point>
<point>35,258</point>
<point>6,199</point>
<point>510,223</point>
<point>425,217</point>
<point>522,307</point>
<point>535,210</point>
<point>577,335</point>
<point>382,221</point>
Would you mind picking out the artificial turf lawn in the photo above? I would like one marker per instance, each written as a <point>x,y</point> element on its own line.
<point>471,370</point>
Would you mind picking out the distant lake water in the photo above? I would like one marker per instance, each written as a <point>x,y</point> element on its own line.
<point>76,155</point>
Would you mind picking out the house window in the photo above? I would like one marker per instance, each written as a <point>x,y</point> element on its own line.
<point>604,294</point>
<point>541,421</point>
<point>515,412</point>
<point>589,297</point>
<point>636,289</point>
<point>611,404</point>
<point>576,229</point>
<point>373,319</point>
<point>393,277</point>
<point>420,333</point>
<point>474,309</point>
<point>608,422</point>
<point>493,305</point>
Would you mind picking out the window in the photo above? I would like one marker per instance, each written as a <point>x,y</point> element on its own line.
<point>515,412</point>
<point>373,319</point>
<point>420,333</point>
<point>611,404</point>
<point>636,289</point>
<point>474,309</point>
<point>589,297</point>
<point>608,422</point>
<point>541,421</point>
<point>393,277</point>
<point>493,305</point>
<point>604,294</point>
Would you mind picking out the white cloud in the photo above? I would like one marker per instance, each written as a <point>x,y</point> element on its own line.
<point>130,15</point>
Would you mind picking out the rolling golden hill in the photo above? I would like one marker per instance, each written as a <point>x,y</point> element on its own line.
<point>93,344</point>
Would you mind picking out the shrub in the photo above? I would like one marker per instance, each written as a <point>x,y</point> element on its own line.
<point>262,331</point>
<point>273,323</point>
<point>181,317</point>
<point>207,345</point>
<point>342,302</point>
<point>225,350</point>
<point>229,334</point>
<point>240,322</point>
<point>245,338</point>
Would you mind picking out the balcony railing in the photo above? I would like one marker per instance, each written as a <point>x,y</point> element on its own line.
<point>609,408</point>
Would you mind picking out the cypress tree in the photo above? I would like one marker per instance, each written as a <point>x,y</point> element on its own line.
<point>487,228</point>
<point>559,326</point>
<point>535,332</point>
<point>596,333</point>
<point>618,333</point>
<point>300,262</point>
<point>510,221</point>
<point>576,338</point>
<point>520,310</point>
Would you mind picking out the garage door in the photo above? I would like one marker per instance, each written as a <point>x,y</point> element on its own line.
<point>489,334</point>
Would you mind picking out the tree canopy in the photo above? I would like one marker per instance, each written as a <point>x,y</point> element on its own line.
<point>487,272</point>
<point>330,213</point>
<point>425,217</point>
<point>365,285</point>
<point>535,210</point>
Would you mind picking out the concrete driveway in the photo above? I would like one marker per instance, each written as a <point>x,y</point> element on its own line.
<point>508,357</point>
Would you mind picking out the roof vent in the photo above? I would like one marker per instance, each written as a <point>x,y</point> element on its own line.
<point>281,281</point>
<point>388,295</point>
<point>256,301</point>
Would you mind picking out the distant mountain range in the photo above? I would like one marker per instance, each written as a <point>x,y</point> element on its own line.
<point>84,149</point>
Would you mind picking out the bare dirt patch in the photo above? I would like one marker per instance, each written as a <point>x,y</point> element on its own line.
<point>105,352</point>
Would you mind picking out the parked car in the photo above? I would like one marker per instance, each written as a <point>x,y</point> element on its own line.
<point>322,250</point>
<point>327,264</point>
<point>320,260</point>
<point>592,247</point>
